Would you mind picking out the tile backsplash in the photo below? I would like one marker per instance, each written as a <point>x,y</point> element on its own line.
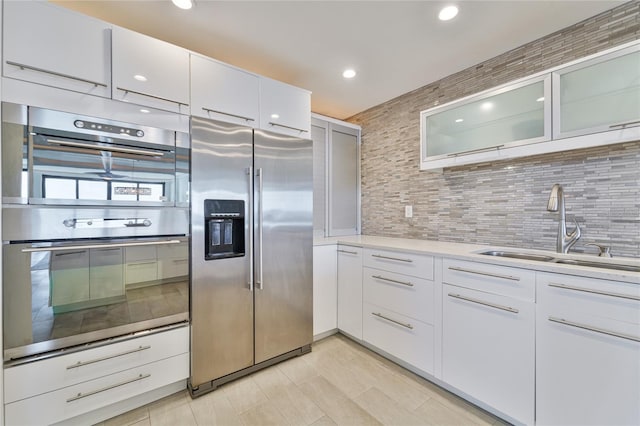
<point>503,203</point>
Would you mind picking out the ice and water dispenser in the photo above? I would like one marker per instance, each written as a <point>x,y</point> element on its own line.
<point>224,229</point>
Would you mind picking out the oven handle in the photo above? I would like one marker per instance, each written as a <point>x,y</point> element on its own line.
<point>148,153</point>
<point>93,246</point>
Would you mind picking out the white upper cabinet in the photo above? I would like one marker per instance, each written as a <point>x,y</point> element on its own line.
<point>49,45</point>
<point>150,72</point>
<point>284,108</point>
<point>223,92</point>
<point>507,116</point>
<point>598,95</point>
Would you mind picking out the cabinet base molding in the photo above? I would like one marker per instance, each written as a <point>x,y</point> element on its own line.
<point>122,407</point>
<point>324,334</point>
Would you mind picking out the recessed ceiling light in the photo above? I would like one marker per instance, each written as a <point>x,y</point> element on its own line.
<point>183,4</point>
<point>448,13</point>
<point>487,106</point>
<point>459,120</point>
<point>349,73</point>
<point>145,111</point>
<point>140,77</point>
<point>540,99</point>
<point>275,116</point>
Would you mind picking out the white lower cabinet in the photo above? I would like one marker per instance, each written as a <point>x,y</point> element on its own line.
<point>62,387</point>
<point>325,289</point>
<point>350,290</point>
<point>488,335</point>
<point>587,351</point>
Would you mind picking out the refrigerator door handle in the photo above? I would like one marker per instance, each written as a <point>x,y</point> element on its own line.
<point>251,241</point>
<point>260,174</point>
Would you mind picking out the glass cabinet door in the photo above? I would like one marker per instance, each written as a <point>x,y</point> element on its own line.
<point>598,95</point>
<point>511,115</point>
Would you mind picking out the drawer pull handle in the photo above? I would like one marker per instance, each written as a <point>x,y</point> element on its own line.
<point>69,253</point>
<point>489,274</point>
<point>81,395</point>
<point>392,258</point>
<point>271,123</point>
<point>405,325</point>
<point>594,329</point>
<point>57,74</point>
<point>482,302</point>
<point>241,117</point>
<point>148,95</point>
<point>588,290</point>
<point>141,263</point>
<point>380,277</point>
<point>347,251</point>
<point>93,361</point>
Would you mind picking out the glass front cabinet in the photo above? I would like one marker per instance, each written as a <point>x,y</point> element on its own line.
<point>597,95</point>
<point>510,115</point>
<point>593,101</point>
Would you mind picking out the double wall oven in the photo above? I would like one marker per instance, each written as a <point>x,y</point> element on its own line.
<point>95,230</point>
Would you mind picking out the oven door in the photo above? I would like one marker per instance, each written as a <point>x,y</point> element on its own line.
<point>61,294</point>
<point>65,170</point>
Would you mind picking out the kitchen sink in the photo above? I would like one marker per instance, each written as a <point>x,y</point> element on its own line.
<point>518,255</point>
<point>552,259</point>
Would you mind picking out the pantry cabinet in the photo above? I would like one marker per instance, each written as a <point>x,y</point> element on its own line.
<point>284,109</point>
<point>350,290</point>
<point>48,45</point>
<point>225,93</point>
<point>150,72</point>
<point>587,351</point>
<point>598,95</point>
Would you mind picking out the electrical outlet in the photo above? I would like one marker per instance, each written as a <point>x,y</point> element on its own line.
<point>408,211</point>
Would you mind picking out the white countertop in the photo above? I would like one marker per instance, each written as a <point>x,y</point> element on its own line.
<point>471,252</point>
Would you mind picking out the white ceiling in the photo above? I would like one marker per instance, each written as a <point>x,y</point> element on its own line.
<point>395,46</point>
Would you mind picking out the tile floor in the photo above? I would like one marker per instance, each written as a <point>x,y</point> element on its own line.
<point>338,383</point>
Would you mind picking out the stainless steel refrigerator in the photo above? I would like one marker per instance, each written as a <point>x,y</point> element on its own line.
<point>251,251</point>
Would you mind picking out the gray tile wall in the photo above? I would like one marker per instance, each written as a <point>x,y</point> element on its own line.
<point>503,202</point>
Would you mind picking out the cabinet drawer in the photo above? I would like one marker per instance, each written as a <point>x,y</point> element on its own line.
<point>406,295</point>
<point>405,338</point>
<point>135,254</point>
<point>38,377</point>
<point>65,403</point>
<point>417,265</point>
<point>503,280</point>
<point>566,294</point>
<point>173,251</point>
<point>141,272</point>
<point>170,268</point>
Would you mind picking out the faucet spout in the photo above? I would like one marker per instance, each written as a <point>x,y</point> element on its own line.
<point>565,240</point>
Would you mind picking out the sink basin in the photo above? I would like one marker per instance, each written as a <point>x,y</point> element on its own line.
<point>596,264</point>
<point>518,255</point>
<point>577,262</point>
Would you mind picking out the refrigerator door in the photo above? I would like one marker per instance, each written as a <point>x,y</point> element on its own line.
<point>221,293</point>
<point>283,244</point>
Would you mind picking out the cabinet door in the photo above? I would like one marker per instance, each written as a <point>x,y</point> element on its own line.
<point>50,45</point>
<point>69,277</point>
<point>350,290</point>
<point>587,351</point>
<point>325,289</point>
<point>284,109</point>
<point>222,92</point>
<point>598,95</point>
<point>150,72</point>
<point>513,115</point>
<point>344,181</point>
<point>488,349</point>
<point>106,274</point>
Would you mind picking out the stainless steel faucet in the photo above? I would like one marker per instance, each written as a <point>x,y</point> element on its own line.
<point>556,203</point>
